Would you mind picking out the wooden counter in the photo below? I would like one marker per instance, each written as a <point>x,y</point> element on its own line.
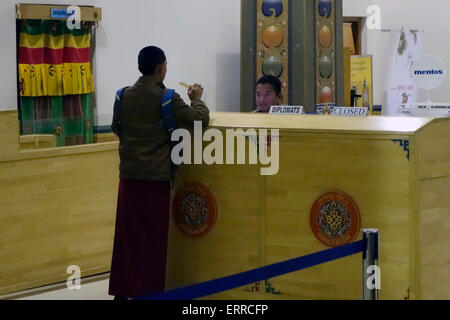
<point>58,208</point>
<point>397,170</point>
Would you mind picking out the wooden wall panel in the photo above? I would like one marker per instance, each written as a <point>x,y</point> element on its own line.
<point>56,211</point>
<point>434,236</point>
<point>9,137</point>
<point>235,244</point>
<point>315,165</point>
<point>434,154</point>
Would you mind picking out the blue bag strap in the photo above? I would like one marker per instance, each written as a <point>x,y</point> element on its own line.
<point>115,126</point>
<point>168,121</point>
<point>117,101</point>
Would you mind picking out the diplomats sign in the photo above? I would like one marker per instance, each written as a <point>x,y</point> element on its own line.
<point>291,110</point>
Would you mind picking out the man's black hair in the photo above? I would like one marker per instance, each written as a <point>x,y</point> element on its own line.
<point>149,58</point>
<point>273,81</point>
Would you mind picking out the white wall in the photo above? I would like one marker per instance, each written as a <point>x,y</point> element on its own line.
<point>201,39</point>
<point>431,16</point>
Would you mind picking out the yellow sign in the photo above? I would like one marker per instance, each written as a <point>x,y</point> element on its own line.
<point>361,80</point>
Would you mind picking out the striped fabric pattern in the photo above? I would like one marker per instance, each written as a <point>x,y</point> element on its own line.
<point>55,81</point>
<point>53,60</point>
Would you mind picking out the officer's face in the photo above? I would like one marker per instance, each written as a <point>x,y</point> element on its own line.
<point>266,97</point>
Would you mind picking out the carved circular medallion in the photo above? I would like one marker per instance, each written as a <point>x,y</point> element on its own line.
<point>194,209</point>
<point>335,219</point>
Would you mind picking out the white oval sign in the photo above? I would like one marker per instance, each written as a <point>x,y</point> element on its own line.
<point>428,72</point>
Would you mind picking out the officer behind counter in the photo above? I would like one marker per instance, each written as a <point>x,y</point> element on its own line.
<point>268,93</point>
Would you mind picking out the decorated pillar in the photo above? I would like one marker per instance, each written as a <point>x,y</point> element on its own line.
<point>298,41</point>
<point>325,51</point>
<point>273,45</point>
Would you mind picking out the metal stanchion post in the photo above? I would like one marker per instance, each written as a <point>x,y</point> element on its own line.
<point>371,270</point>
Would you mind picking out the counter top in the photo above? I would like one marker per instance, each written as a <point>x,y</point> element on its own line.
<point>323,123</point>
<point>373,125</point>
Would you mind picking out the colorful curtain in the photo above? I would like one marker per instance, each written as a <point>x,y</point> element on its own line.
<point>56,81</point>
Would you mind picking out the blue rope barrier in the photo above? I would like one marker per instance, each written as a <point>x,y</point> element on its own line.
<point>274,270</point>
